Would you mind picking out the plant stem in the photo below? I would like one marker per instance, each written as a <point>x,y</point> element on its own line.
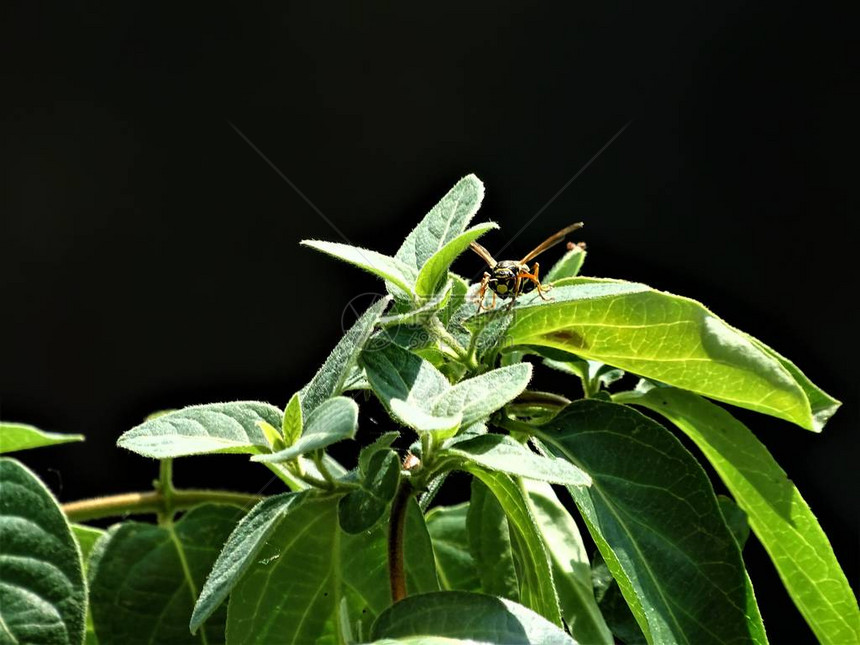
<point>396,528</point>
<point>151,503</point>
<point>164,486</point>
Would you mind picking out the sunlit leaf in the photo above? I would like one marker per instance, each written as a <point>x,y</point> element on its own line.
<point>204,429</point>
<point>666,338</point>
<point>20,436</point>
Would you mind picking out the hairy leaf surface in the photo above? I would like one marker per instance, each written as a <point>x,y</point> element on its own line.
<point>42,592</point>
<point>204,429</point>
<point>146,578</point>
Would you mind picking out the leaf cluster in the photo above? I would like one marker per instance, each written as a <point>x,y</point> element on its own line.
<point>359,553</point>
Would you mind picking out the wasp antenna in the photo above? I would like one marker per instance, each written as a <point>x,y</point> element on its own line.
<point>551,241</point>
<point>484,253</point>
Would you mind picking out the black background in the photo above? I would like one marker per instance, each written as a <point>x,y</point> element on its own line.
<point>150,256</point>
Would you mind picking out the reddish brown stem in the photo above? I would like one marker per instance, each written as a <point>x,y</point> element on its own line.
<point>396,529</point>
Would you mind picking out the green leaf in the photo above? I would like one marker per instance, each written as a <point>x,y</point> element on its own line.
<point>472,616</point>
<point>287,594</point>
<point>395,373</point>
<point>777,513</point>
<point>20,436</point>
<point>454,563</point>
<point>445,221</point>
<point>382,442</point>
<point>146,579</point>
<point>360,509</point>
<point>653,515</point>
<point>434,271</point>
<point>667,338</point>
<point>736,519</point>
<point>568,266</point>
<point>490,544</point>
<point>291,426</point>
<point>242,547</point>
<point>823,405</point>
<point>390,269</point>
<point>536,586</point>
<point>204,429</point>
<point>571,570</point>
<point>331,379</point>
<point>333,421</point>
<point>292,589</point>
<point>476,398</point>
<point>507,455</point>
<point>612,605</point>
<point>86,537</point>
<point>42,592</point>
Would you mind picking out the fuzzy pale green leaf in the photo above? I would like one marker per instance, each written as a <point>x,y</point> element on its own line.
<point>390,269</point>
<point>507,455</point>
<point>333,421</point>
<point>204,429</point>
<point>445,221</point>
<point>478,397</point>
<point>332,378</point>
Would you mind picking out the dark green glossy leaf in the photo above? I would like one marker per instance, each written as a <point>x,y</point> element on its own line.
<point>736,519</point>
<point>360,509</point>
<point>454,563</point>
<point>331,379</point>
<point>476,617</point>
<point>204,429</point>
<point>505,454</point>
<point>777,513</point>
<point>146,578</point>
<point>21,436</point>
<point>333,421</point>
<point>653,515</point>
<point>490,544</point>
<point>42,592</point>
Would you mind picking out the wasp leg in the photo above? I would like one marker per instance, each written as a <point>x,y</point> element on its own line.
<point>482,291</point>
<point>517,287</point>
<point>534,277</point>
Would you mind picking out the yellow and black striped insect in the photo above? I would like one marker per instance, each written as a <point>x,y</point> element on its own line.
<point>510,278</point>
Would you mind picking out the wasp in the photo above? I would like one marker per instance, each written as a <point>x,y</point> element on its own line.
<point>510,278</point>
